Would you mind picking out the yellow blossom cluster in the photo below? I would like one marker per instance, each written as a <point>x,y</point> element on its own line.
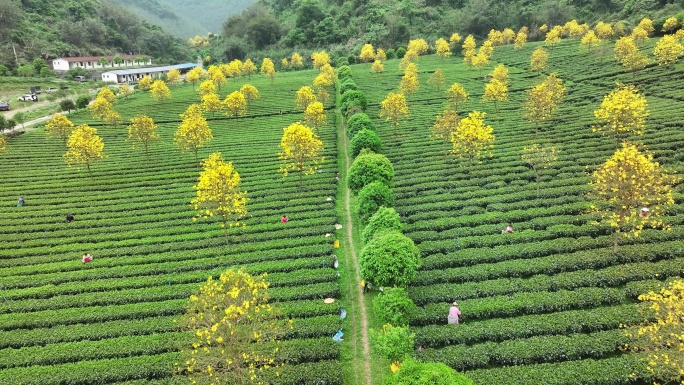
<point>472,138</point>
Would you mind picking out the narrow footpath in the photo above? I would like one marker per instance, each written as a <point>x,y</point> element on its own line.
<point>358,354</point>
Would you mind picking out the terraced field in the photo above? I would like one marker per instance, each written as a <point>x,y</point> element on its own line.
<point>111,320</point>
<point>542,305</point>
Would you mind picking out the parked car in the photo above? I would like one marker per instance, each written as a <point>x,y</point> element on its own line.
<point>28,98</point>
<point>80,78</point>
<point>4,106</point>
<point>51,90</point>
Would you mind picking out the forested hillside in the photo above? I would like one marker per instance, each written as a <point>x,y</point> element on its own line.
<point>186,18</point>
<point>53,28</point>
<point>346,25</point>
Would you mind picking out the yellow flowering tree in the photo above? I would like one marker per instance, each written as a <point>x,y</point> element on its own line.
<point>668,50</point>
<point>639,35</point>
<point>457,96</point>
<point>380,55</point>
<point>455,38</point>
<point>520,40</point>
<point>627,53</point>
<point>437,79</point>
<point>304,96</point>
<point>394,108</point>
<point>234,331</point>
<point>232,69</point>
<point>543,99</point>
<point>495,91</point>
<point>378,67</point>
<point>100,108</point>
<point>604,31</point>
<point>420,46</point>
<point>468,49</point>
<point>206,87</point>
<point>539,158</point>
<point>296,61</point>
<point>173,76</point>
<point>589,40</point>
<point>663,338</point>
<point>142,129</point>
<point>107,94</point>
<point>160,91</point>
<point>409,82</point>
<point>193,132</point>
<point>300,151</point>
<point>539,59</point>
<point>84,147</point>
<point>235,104</point>
<point>194,75</point>
<point>647,25</point>
<point>670,24</point>
<point>268,68</point>
<point>248,68</point>
<point>145,82</point>
<point>212,103</point>
<point>553,37</point>
<point>216,76</point>
<point>500,73</point>
<point>472,138</point>
<point>284,63</point>
<point>59,126</point>
<point>3,143</point>
<point>496,37</point>
<point>320,59</point>
<point>219,194</point>
<point>622,112</point>
<point>367,53</point>
<point>445,124</point>
<point>442,48</point>
<point>625,184</point>
<point>507,35</point>
<point>314,115</point>
<point>250,92</point>
<point>125,90</point>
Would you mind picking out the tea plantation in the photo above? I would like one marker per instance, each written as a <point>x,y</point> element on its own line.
<point>112,320</point>
<point>543,305</point>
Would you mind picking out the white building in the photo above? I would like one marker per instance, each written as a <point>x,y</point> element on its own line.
<point>134,75</point>
<point>95,62</point>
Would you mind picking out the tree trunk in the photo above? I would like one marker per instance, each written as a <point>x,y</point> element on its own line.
<point>615,241</point>
<point>538,177</point>
<point>301,182</point>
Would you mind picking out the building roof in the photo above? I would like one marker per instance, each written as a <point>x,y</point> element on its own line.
<point>96,58</point>
<point>134,71</point>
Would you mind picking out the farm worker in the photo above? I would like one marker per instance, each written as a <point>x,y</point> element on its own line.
<point>454,313</point>
<point>507,230</point>
<point>284,219</point>
<point>86,258</point>
<point>20,202</point>
<point>645,213</point>
<point>336,244</point>
<point>338,336</point>
<point>69,218</point>
<point>363,285</point>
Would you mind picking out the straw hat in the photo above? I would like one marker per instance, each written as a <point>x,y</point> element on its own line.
<point>455,303</point>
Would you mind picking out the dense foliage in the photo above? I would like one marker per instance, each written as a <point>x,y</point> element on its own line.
<point>50,28</point>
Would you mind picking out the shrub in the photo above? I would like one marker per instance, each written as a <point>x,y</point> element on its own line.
<point>67,105</point>
<point>357,123</point>
<point>390,53</point>
<point>401,51</point>
<point>351,99</point>
<point>341,61</point>
<point>82,101</point>
<point>391,259</point>
<point>394,306</point>
<point>392,342</point>
<point>371,197</point>
<point>386,218</point>
<point>426,373</point>
<point>344,72</point>
<point>369,167</point>
<point>348,84</point>
<point>365,139</point>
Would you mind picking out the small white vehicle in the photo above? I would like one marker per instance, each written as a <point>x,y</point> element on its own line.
<point>51,90</point>
<point>27,98</point>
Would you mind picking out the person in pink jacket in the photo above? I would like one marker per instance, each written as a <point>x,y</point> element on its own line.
<point>454,313</point>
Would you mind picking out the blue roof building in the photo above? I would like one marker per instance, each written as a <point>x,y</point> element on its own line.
<point>134,75</point>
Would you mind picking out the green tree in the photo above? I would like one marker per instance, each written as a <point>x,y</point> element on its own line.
<point>393,306</point>
<point>371,197</point>
<point>365,139</point>
<point>385,218</point>
<point>392,342</point>
<point>390,259</point>
<point>369,167</point>
<point>413,372</point>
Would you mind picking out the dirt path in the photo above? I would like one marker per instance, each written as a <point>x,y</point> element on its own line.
<point>10,114</point>
<point>354,261</point>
